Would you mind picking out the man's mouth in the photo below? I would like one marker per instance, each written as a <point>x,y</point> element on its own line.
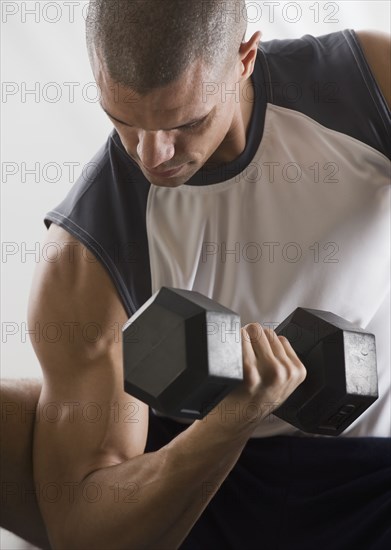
<point>165,174</point>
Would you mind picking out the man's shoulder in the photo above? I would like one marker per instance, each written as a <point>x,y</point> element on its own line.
<point>105,210</point>
<point>328,79</point>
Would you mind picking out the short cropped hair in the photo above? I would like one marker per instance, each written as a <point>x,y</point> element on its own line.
<point>147,44</point>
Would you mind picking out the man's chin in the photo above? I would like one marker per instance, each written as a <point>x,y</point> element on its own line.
<point>173,181</point>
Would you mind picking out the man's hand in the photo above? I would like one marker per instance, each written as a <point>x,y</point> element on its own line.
<point>271,372</point>
<point>272,369</point>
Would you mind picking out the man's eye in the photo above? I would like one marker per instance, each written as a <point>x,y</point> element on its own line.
<point>193,125</point>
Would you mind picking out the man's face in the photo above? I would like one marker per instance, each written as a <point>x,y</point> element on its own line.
<point>172,131</point>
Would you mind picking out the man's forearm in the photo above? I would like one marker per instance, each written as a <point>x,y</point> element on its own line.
<point>153,500</point>
<point>150,501</point>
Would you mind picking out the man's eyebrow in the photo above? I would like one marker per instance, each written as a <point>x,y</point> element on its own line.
<point>193,121</point>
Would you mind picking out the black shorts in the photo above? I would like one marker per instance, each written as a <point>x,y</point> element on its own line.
<point>296,493</point>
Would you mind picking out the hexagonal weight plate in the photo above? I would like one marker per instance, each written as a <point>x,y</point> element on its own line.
<point>182,353</point>
<point>341,381</point>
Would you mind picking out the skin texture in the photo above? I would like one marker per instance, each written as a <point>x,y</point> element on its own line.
<point>107,453</point>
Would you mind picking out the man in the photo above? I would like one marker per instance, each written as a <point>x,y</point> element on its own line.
<point>223,152</point>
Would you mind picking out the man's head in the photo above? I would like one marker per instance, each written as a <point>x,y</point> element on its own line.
<point>157,63</point>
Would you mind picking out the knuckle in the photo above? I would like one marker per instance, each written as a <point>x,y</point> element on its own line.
<point>302,372</point>
<point>280,373</point>
<point>291,370</point>
<point>283,371</point>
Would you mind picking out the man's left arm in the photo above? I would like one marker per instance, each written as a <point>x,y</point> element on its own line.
<point>376,46</point>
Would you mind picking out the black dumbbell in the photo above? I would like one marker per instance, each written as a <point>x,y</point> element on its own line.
<point>182,355</point>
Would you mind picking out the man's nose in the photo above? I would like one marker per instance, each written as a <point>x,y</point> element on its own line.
<point>155,148</point>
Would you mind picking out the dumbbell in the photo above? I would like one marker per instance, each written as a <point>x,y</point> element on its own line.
<point>182,354</point>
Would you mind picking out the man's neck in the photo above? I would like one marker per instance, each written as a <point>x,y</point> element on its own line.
<point>235,141</point>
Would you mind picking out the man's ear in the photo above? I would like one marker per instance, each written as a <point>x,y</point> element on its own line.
<point>248,54</point>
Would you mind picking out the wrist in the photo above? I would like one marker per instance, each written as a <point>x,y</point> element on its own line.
<point>234,421</point>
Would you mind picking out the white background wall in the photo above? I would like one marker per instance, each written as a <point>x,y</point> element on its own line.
<point>52,125</point>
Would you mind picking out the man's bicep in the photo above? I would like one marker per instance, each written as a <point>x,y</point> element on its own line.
<point>82,426</point>
<point>87,424</point>
<point>85,420</point>
<point>74,304</point>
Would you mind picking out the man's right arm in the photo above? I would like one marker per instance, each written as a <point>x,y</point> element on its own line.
<point>97,487</point>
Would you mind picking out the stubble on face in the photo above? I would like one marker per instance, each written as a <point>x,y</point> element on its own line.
<point>221,139</point>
